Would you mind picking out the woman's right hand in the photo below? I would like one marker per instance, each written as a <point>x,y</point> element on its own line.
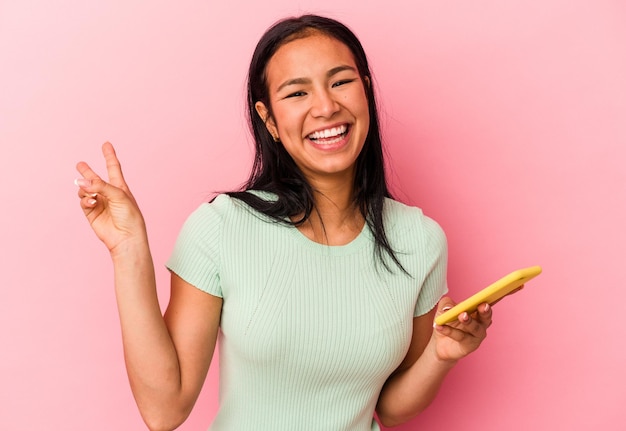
<point>110,207</point>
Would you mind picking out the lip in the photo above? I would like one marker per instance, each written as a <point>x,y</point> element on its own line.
<point>335,146</point>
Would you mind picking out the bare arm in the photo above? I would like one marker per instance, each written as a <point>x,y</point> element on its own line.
<point>166,358</point>
<point>432,354</point>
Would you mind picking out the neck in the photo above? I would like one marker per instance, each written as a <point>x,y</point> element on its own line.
<point>336,219</point>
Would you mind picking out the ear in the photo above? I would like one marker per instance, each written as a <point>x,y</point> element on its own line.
<point>263,112</point>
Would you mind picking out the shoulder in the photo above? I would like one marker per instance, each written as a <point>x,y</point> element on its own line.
<point>402,216</point>
<point>221,206</point>
<point>222,219</point>
<point>213,215</point>
<point>398,211</point>
<point>406,222</point>
<point>211,211</point>
<point>232,216</point>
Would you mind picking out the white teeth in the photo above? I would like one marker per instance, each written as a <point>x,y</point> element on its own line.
<point>329,133</point>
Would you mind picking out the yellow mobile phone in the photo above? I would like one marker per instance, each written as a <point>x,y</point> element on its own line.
<point>490,294</point>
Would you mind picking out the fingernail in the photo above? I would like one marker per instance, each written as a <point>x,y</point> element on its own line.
<point>82,182</point>
<point>444,309</point>
<point>487,308</point>
<point>92,201</point>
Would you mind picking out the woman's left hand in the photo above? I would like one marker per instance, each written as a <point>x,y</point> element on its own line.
<point>458,339</point>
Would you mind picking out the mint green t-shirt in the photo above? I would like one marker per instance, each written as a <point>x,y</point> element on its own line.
<point>309,333</point>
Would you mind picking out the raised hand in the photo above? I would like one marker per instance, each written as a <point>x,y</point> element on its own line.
<point>458,339</point>
<point>109,206</point>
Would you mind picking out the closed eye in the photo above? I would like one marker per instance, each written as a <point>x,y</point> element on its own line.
<point>296,94</point>
<point>342,82</point>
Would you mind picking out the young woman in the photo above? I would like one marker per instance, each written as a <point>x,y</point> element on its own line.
<point>321,288</point>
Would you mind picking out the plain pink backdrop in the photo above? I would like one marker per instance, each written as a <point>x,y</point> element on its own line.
<point>504,120</point>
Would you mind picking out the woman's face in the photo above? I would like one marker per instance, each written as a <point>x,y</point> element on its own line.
<point>319,105</point>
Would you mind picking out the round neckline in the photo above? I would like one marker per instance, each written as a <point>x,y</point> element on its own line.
<point>361,240</point>
<point>364,237</point>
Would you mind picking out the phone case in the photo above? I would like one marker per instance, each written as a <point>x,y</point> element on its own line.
<point>490,294</point>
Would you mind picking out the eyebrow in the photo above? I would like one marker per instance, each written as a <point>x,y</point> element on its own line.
<point>299,81</point>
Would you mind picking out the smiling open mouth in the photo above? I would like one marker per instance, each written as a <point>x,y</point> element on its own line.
<point>329,136</point>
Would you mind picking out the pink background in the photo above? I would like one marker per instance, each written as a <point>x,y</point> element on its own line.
<point>505,121</point>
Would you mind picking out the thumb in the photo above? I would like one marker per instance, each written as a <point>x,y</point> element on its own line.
<point>445,304</point>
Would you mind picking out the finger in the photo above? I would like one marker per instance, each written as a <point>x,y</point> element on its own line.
<point>113,165</point>
<point>86,183</point>
<point>477,323</point>
<point>92,185</point>
<point>485,314</point>
<point>444,305</point>
<point>452,332</point>
<point>85,170</point>
<point>464,329</point>
<point>464,318</point>
<point>470,325</point>
<point>88,202</point>
<point>83,194</point>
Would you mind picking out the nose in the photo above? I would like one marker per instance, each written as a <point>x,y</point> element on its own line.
<point>324,104</point>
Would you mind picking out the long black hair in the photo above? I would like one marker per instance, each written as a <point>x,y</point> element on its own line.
<point>275,171</point>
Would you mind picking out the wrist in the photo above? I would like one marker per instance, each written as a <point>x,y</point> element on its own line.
<point>130,250</point>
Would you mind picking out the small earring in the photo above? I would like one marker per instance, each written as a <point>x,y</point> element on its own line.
<point>276,138</point>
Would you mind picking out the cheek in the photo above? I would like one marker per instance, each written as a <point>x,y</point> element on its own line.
<point>289,121</point>
<point>362,105</point>
<point>364,114</point>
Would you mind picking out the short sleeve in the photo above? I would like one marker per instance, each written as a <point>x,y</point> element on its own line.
<point>435,283</point>
<point>196,254</point>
